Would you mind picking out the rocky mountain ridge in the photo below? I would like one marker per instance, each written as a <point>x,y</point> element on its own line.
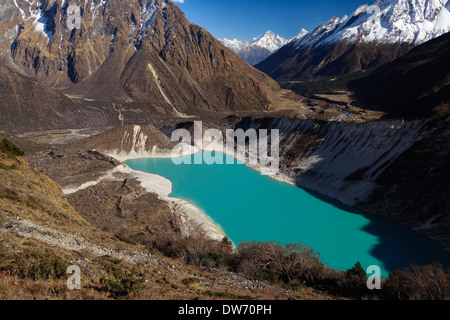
<point>370,37</point>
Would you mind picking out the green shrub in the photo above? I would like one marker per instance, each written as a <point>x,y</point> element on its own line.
<point>189,281</point>
<point>119,283</point>
<point>10,148</point>
<point>356,276</point>
<point>123,287</point>
<point>215,260</point>
<point>226,241</point>
<point>357,271</point>
<point>30,264</point>
<point>125,239</point>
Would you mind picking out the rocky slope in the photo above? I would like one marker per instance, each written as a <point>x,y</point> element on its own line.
<point>24,102</point>
<point>144,54</point>
<point>129,142</point>
<point>370,37</point>
<point>33,207</point>
<point>415,85</point>
<point>414,189</point>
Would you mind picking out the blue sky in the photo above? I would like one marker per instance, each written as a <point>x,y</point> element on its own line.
<point>246,19</point>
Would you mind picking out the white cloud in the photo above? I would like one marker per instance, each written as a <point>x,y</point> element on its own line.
<point>179,1</point>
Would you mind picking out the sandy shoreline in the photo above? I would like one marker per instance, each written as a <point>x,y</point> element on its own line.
<point>193,218</point>
<point>163,187</point>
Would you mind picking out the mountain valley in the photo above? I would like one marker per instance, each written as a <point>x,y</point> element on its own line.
<point>361,103</point>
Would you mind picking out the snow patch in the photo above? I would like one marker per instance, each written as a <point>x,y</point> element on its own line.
<point>391,22</point>
<point>269,41</point>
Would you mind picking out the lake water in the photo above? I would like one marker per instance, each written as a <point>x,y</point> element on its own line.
<point>249,206</point>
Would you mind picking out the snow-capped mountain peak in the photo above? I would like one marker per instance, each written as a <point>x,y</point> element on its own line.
<point>260,48</point>
<point>372,36</point>
<point>390,21</point>
<point>270,41</point>
<point>235,44</point>
<point>268,34</point>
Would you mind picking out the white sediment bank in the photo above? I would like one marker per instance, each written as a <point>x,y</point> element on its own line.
<point>139,152</point>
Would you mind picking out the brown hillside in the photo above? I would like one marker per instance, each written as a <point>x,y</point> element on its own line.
<point>141,51</point>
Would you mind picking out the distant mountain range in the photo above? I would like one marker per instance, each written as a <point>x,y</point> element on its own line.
<point>370,37</point>
<point>260,48</point>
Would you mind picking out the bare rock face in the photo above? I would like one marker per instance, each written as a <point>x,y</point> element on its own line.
<point>24,102</point>
<point>142,51</point>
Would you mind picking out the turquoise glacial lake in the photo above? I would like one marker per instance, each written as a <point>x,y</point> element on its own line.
<point>249,206</point>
